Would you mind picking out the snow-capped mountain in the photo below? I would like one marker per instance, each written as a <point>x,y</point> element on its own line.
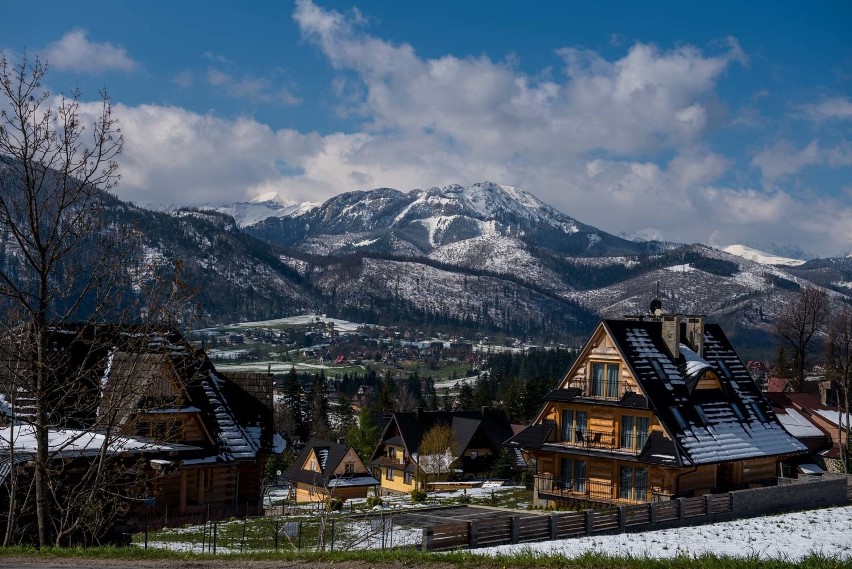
<point>260,208</point>
<point>761,257</point>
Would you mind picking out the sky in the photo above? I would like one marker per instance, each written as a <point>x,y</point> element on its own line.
<point>720,123</point>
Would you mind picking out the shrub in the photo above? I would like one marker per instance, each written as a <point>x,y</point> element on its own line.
<point>418,496</point>
<point>374,500</point>
<point>334,504</point>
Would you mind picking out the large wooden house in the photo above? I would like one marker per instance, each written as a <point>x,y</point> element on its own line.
<point>477,439</point>
<point>209,433</point>
<point>328,470</point>
<point>654,409</point>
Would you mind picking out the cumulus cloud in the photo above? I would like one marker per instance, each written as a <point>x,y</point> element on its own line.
<point>833,109</point>
<point>75,52</point>
<point>620,143</point>
<point>783,159</point>
<point>258,89</point>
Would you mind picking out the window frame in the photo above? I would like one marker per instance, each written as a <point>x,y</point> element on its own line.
<point>604,385</point>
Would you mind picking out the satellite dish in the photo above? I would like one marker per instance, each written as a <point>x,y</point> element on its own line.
<point>656,307</point>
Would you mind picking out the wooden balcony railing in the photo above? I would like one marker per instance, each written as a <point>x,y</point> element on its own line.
<point>604,440</point>
<point>592,490</point>
<point>608,390</point>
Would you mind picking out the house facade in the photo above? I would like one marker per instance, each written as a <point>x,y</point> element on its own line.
<point>477,438</point>
<point>325,469</point>
<point>204,435</point>
<point>654,409</point>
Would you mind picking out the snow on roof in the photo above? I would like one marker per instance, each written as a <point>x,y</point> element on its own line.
<point>695,364</point>
<point>798,425</point>
<point>354,481</point>
<point>5,407</point>
<point>74,442</point>
<point>235,440</point>
<point>833,416</point>
<point>279,443</point>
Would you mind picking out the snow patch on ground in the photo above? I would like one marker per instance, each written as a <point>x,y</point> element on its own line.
<point>304,319</point>
<point>789,537</point>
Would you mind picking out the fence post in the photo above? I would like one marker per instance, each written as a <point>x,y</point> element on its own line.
<point>146,536</point>
<point>426,540</point>
<point>299,542</point>
<point>708,506</point>
<point>472,534</point>
<point>622,517</point>
<point>681,509</point>
<point>652,515</point>
<point>215,536</point>
<point>277,522</point>
<point>515,528</point>
<point>383,532</point>
<point>203,536</point>
<point>590,522</point>
<point>243,539</point>
<point>332,535</point>
<point>554,526</point>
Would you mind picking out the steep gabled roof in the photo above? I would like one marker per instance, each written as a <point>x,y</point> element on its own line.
<point>731,423</point>
<point>329,456</point>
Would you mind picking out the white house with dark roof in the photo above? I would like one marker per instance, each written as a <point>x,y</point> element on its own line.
<point>654,408</point>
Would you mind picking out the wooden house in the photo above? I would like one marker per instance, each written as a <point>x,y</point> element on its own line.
<point>653,409</point>
<point>324,469</point>
<point>477,439</point>
<point>152,385</point>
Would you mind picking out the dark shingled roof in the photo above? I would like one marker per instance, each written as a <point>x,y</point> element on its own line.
<point>715,425</point>
<point>533,437</point>
<point>329,454</point>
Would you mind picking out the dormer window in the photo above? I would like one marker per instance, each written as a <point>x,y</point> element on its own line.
<point>605,380</point>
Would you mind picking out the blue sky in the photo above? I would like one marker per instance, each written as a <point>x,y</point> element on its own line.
<point>722,123</point>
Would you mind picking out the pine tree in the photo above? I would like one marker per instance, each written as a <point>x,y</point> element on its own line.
<point>318,408</point>
<point>464,400</point>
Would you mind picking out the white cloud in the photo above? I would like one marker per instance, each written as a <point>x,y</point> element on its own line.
<point>833,109</point>
<point>76,53</point>
<point>258,89</point>
<point>783,159</point>
<point>619,143</point>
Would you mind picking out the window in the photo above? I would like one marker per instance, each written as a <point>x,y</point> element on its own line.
<point>392,452</point>
<point>408,478</point>
<point>633,483</point>
<point>572,474</point>
<point>605,380</point>
<point>574,426</point>
<point>389,474</point>
<point>349,468</point>
<point>474,454</point>
<point>634,432</point>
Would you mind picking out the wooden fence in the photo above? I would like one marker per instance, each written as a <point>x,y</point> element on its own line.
<point>522,529</point>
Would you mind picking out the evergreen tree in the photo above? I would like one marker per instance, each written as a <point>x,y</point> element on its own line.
<point>292,411</point>
<point>431,394</point>
<point>386,400</point>
<point>464,400</point>
<point>364,434</point>
<point>512,401</point>
<point>345,415</point>
<point>481,393</point>
<point>318,408</point>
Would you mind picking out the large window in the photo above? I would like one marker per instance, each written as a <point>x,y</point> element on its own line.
<point>634,432</point>
<point>633,483</point>
<point>574,426</point>
<point>572,474</point>
<point>605,380</point>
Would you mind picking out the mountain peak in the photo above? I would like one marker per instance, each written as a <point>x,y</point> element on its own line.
<point>272,198</point>
<point>761,257</point>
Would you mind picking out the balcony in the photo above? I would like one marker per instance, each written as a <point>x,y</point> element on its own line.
<point>603,390</point>
<point>589,490</point>
<point>628,442</point>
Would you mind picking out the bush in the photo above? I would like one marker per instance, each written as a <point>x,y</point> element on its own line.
<point>418,496</point>
<point>374,500</point>
<point>334,504</point>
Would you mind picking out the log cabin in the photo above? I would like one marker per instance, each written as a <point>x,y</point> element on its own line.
<point>328,470</point>
<point>477,439</point>
<point>651,409</point>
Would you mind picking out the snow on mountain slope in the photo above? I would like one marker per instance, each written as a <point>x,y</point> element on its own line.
<point>761,257</point>
<point>499,254</point>
<point>262,207</point>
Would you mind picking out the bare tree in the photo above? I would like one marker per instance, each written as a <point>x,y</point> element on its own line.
<point>839,364</point>
<point>55,170</point>
<point>798,326</point>
<point>435,454</point>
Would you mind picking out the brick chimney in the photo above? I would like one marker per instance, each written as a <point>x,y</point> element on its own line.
<point>671,333</point>
<point>695,333</point>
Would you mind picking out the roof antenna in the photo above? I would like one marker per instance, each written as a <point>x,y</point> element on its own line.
<point>657,306</point>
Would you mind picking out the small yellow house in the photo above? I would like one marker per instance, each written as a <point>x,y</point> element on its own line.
<point>477,439</point>
<point>653,409</point>
<point>324,469</point>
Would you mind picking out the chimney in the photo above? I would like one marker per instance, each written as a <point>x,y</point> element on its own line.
<point>484,411</point>
<point>418,413</point>
<point>695,333</point>
<point>671,334</point>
